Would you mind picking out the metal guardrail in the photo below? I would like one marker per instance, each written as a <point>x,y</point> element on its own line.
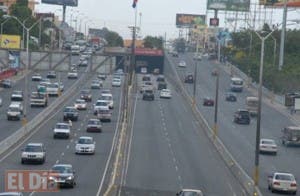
<point>244,179</point>
<point>8,142</point>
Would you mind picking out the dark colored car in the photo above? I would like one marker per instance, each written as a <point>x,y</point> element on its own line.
<point>189,79</point>
<point>161,85</point>
<point>207,101</point>
<point>146,78</point>
<point>242,117</point>
<point>86,95</point>
<point>70,113</point>
<point>51,74</point>
<point>160,78</point>
<point>63,175</point>
<point>148,95</point>
<point>7,83</point>
<point>230,97</point>
<point>291,136</point>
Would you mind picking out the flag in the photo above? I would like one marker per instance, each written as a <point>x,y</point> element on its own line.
<point>134,3</point>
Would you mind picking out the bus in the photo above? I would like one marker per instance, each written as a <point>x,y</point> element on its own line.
<point>236,84</point>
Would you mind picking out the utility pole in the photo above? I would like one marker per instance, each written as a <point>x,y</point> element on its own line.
<point>132,55</point>
<point>281,50</point>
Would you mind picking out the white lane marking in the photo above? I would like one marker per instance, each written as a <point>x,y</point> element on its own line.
<point>57,161</point>
<point>230,187</point>
<point>112,148</point>
<point>130,142</point>
<point>62,154</point>
<point>68,146</point>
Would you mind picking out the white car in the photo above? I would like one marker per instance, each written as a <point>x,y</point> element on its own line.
<point>190,192</point>
<point>182,64</point>
<point>165,93</point>
<point>80,104</point>
<point>14,111</point>
<point>282,182</point>
<point>53,89</point>
<point>267,146</point>
<point>17,96</point>
<point>116,82</point>
<point>61,130</point>
<point>85,145</point>
<point>96,84</point>
<point>108,98</point>
<point>36,77</point>
<point>33,152</point>
<point>72,75</point>
<point>100,104</point>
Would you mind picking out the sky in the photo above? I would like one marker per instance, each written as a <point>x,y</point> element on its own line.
<point>154,17</point>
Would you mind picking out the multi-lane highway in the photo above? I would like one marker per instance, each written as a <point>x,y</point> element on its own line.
<point>169,151</point>
<point>89,169</point>
<point>240,139</point>
<point>166,149</point>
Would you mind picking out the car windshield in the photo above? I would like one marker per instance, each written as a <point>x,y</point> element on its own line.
<point>267,142</point>
<point>14,109</point>
<point>80,101</point>
<point>284,177</point>
<point>32,148</point>
<point>62,169</point>
<point>62,126</point>
<point>101,103</point>
<point>85,141</point>
<point>93,122</point>
<point>69,110</point>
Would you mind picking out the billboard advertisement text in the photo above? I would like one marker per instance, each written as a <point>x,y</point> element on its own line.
<point>189,20</point>
<point>229,5</point>
<point>10,41</point>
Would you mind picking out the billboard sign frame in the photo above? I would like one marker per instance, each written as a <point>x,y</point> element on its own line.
<point>72,3</point>
<point>189,20</point>
<point>10,41</point>
<point>229,5</point>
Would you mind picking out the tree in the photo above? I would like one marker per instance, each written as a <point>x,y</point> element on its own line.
<point>153,42</point>
<point>114,39</point>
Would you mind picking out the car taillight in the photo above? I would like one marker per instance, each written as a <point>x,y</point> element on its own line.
<point>276,183</point>
<point>293,184</point>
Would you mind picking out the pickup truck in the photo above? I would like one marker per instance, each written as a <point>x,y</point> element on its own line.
<point>38,99</point>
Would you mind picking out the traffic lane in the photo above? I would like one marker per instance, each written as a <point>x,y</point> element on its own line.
<point>197,159</point>
<point>170,163</point>
<point>63,150</point>
<point>10,127</point>
<point>245,138</point>
<point>150,165</point>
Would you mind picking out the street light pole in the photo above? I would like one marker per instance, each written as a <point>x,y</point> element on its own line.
<point>256,169</point>
<point>27,64</point>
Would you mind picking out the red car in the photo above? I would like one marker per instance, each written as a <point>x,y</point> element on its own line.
<point>208,101</point>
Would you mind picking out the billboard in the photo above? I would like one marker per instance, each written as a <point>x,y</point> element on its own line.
<point>73,3</point>
<point>280,3</point>
<point>10,41</point>
<point>229,5</point>
<point>189,20</point>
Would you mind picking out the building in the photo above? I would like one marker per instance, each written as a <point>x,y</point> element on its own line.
<point>5,5</point>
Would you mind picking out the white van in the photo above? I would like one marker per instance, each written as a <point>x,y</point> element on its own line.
<point>252,105</point>
<point>236,84</point>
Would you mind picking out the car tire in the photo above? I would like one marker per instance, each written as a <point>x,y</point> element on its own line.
<point>294,193</point>
<point>22,161</point>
